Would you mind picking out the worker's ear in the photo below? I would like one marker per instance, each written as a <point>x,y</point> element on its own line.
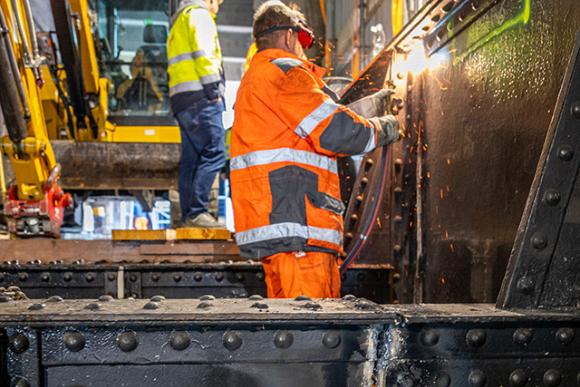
<point>289,40</point>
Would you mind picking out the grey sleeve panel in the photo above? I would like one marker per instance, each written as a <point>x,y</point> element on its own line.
<point>331,93</point>
<point>286,64</point>
<point>290,186</point>
<point>344,135</point>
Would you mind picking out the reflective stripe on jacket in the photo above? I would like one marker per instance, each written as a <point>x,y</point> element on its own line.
<point>193,50</point>
<point>288,131</point>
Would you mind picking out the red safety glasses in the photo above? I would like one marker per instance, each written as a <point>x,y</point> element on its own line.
<point>305,34</point>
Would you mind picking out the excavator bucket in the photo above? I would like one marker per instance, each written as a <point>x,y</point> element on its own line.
<point>131,166</point>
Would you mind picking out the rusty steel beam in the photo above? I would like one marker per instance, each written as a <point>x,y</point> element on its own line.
<point>99,251</point>
<point>101,165</point>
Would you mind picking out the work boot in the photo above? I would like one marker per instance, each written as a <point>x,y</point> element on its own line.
<point>203,220</point>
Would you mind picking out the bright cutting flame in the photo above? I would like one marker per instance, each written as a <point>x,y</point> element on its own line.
<point>416,61</point>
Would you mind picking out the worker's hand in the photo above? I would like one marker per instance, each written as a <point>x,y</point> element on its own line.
<point>388,129</point>
<point>372,105</point>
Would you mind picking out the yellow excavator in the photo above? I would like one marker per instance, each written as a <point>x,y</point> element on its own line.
<point>35,203</point>
<point>87,88</point>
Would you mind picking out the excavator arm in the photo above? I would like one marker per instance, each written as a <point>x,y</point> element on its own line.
<point>35,202</point>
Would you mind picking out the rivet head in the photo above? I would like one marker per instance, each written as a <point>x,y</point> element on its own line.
<point>5,298</point>
<point>240,277</point>
<point>430,337</point>
<point>74,341</point>
<point>155,277</point>
<point>93,306</point>
<point>364,305</point>
<point>259,305</point>
<point>23,277</point>
<point>523,336</point>
<point>207,297</point>
<point>312,306</point>
<point>111,277</point>
<point>525,284</point>
<point>331,340</point>
<point>20,382</point>
<point>157,298</point>
<point>177,277</point>
<point>283,339</point>
<point>232,340</point>
<point>89,277</point>
<point>552,378</point>
<point>204,305</point>
<point>68,276</point>
<point>133,278</point>
<point>52,299</point>
<point>349,297</point>
<point>127,341</point>
<point>255,297</point>
<point>19,343</point>
<point>106,298</point>
<point>552,197</point>
<point>219,277</point>
<point>477,378</point>
<point>475,337</point>
<point>45,277</point>
<point>576,109</point>
<point>36,307</point>
<point>197,277</point>
<point>565,152</point>
<point>443,380</point>
<point>151,305</point>
<point>302,298</point>
<point>539,241</point>
<point>260,276</point>
<point>180,340</point>
<point>518,378</point>
<point>565,335</point>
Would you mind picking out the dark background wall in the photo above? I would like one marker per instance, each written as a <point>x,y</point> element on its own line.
<point>476,119</point>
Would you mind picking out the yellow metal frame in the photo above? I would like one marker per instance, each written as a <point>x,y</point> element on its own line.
<point>95,83</point>
<point>33,159</point>
<point>148,134</point>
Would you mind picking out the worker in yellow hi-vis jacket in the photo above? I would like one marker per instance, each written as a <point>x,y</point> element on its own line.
<point>197,85</point>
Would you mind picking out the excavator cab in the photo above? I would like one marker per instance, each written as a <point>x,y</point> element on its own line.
<point>134,36</point>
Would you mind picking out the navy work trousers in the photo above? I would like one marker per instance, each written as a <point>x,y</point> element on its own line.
<point>202,154</point>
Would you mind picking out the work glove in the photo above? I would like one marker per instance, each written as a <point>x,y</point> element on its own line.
<point>387,128</point>
<point>373,105</point>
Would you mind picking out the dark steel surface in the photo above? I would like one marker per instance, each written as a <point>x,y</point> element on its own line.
<point>176,281</point>
<point>544,271</point>
<point>258,342</point>
<point>476,119</point>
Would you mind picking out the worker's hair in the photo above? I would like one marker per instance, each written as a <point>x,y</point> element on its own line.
<point>271,14</point>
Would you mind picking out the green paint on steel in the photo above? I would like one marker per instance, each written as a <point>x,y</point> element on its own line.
<point>522,18</point>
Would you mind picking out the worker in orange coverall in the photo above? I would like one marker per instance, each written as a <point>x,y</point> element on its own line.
<point>287,133</point>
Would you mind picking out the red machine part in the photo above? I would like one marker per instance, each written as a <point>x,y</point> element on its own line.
<point>37,217</point>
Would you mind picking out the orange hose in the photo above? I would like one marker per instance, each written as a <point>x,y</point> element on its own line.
<point>323,11</point>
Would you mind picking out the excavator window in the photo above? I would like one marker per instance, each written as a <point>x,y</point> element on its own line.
<point>133,35</point>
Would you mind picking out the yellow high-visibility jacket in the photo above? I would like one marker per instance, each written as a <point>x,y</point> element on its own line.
<point>194,52</point>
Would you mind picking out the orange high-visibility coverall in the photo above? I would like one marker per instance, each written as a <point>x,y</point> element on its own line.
<point>288,131</point>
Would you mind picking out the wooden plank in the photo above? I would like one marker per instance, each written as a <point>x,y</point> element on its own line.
<point>69,251</point>
<point>185,234</point>
<point>141,235</point>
